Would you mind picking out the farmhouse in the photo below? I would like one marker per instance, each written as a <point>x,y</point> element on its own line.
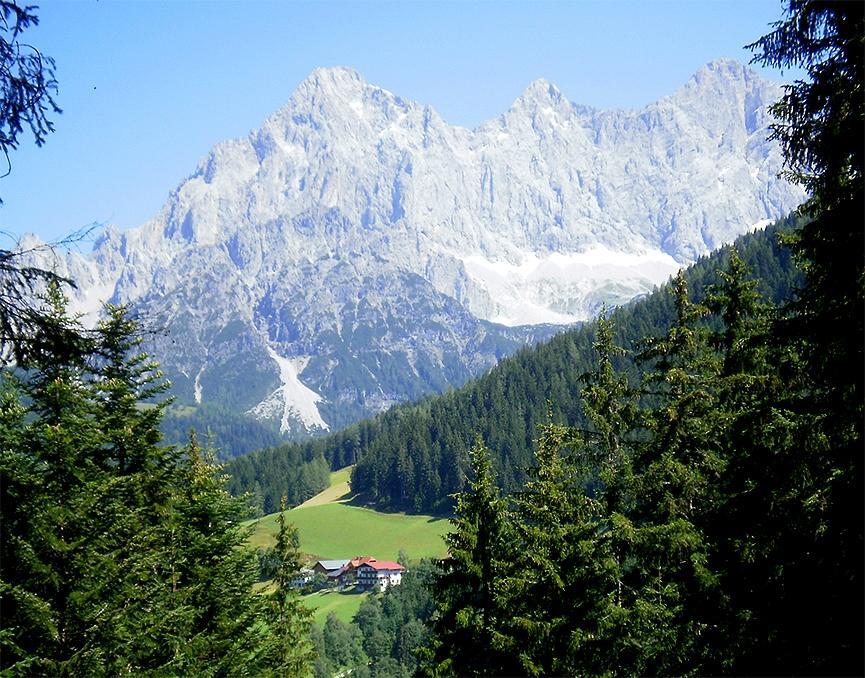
<point>379,574</point>
<point>357,561</point>
<point>347,575</point>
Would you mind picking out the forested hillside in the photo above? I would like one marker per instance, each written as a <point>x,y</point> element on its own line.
<point>232,434</point>
<point>414,456</point>
<point>121,555</point>
<point>706,518</point>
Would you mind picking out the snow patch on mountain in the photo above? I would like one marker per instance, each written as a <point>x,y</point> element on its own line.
<point>197,385</point>
<point>558,288</point>
<point>292,400</point>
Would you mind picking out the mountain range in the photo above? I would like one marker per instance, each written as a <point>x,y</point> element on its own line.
<point>356,251</point>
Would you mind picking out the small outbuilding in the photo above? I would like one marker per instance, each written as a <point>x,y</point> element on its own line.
<point>303,578</point>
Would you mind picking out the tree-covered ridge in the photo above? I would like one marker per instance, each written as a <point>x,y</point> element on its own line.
<point>233,434</point>
<point>414,456</point>
<point>691,526</point>
<point>290,471</point>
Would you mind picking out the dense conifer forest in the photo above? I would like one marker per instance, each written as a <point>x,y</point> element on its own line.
<point>387,635</point>
<point>706,517</point>
<point>233,435</point>
<point>121,555</point>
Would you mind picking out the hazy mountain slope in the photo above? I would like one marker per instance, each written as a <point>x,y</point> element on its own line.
<point>413,457</point>
<point>353,251</point>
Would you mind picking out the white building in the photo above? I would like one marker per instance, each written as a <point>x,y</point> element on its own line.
<point>303,578</point>
<point>379,574</point>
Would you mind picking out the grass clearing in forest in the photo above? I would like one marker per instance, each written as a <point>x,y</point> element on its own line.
<point>343,531</point>
<point>344,604</point>
<point>330,527</point>
<point>338,491</point>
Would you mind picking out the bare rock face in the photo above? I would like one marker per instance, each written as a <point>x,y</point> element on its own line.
<point>357,251</point>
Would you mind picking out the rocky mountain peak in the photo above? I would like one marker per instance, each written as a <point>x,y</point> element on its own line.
<point>340,81</point>
<point>356,250</point>
<point>539,94</point>
<point>725,68</point>
<point>722,76</point>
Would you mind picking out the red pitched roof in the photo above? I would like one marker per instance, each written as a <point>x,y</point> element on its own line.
<point>384,565</point>
<point>357,561</point>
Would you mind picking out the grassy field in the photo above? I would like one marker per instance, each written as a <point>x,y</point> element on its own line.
<point>338,530</point>
<point>338,491</point>
<point>330,527</point>
<point>344,604</point>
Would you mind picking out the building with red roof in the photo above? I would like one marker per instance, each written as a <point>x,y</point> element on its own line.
<point>377,575</point>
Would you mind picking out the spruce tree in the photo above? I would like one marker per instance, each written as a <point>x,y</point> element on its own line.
<point>609,403</point>
<point>818,501</point>
<point>119,555</point>
<point>676,468</point>
<point>64,544</point>
<point>25,606</point>
<point>606,445</point>
<point>291,650</point>
<point>560,582</point>
<point>467,638</point>
<point>220,625</point>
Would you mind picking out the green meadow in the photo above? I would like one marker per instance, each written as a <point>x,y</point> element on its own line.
<point>344,604</point>
<point>331,527</point>
<point>339,490</point>
<point>339,530</point>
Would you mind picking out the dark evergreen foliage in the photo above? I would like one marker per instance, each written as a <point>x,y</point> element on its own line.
<point>119,555</point>
<point>290,620</point>
<point>386,635</point>
<point>278,472</point>
<point>816,461</point>
<point>21,322</point>
<point>231,433</point>
<point>552,588</point>
<point>653,540</point>
<point>469,610</point>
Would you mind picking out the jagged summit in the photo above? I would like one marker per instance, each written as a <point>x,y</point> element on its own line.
<point>356,250</point>
<point>724,73</point>
<point>336,80</point>
<point>343,85</point>
<point>720,75</point>
<point>727,68</point>
<point>541,90</point>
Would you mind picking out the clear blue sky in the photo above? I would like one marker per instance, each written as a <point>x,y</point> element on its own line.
<point>148,87</point>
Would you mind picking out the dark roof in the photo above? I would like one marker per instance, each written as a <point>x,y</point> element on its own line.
<point>338,573</point>
<point>332,564</point>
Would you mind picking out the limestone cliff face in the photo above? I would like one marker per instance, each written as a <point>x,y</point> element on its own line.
<point>356,250</point>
